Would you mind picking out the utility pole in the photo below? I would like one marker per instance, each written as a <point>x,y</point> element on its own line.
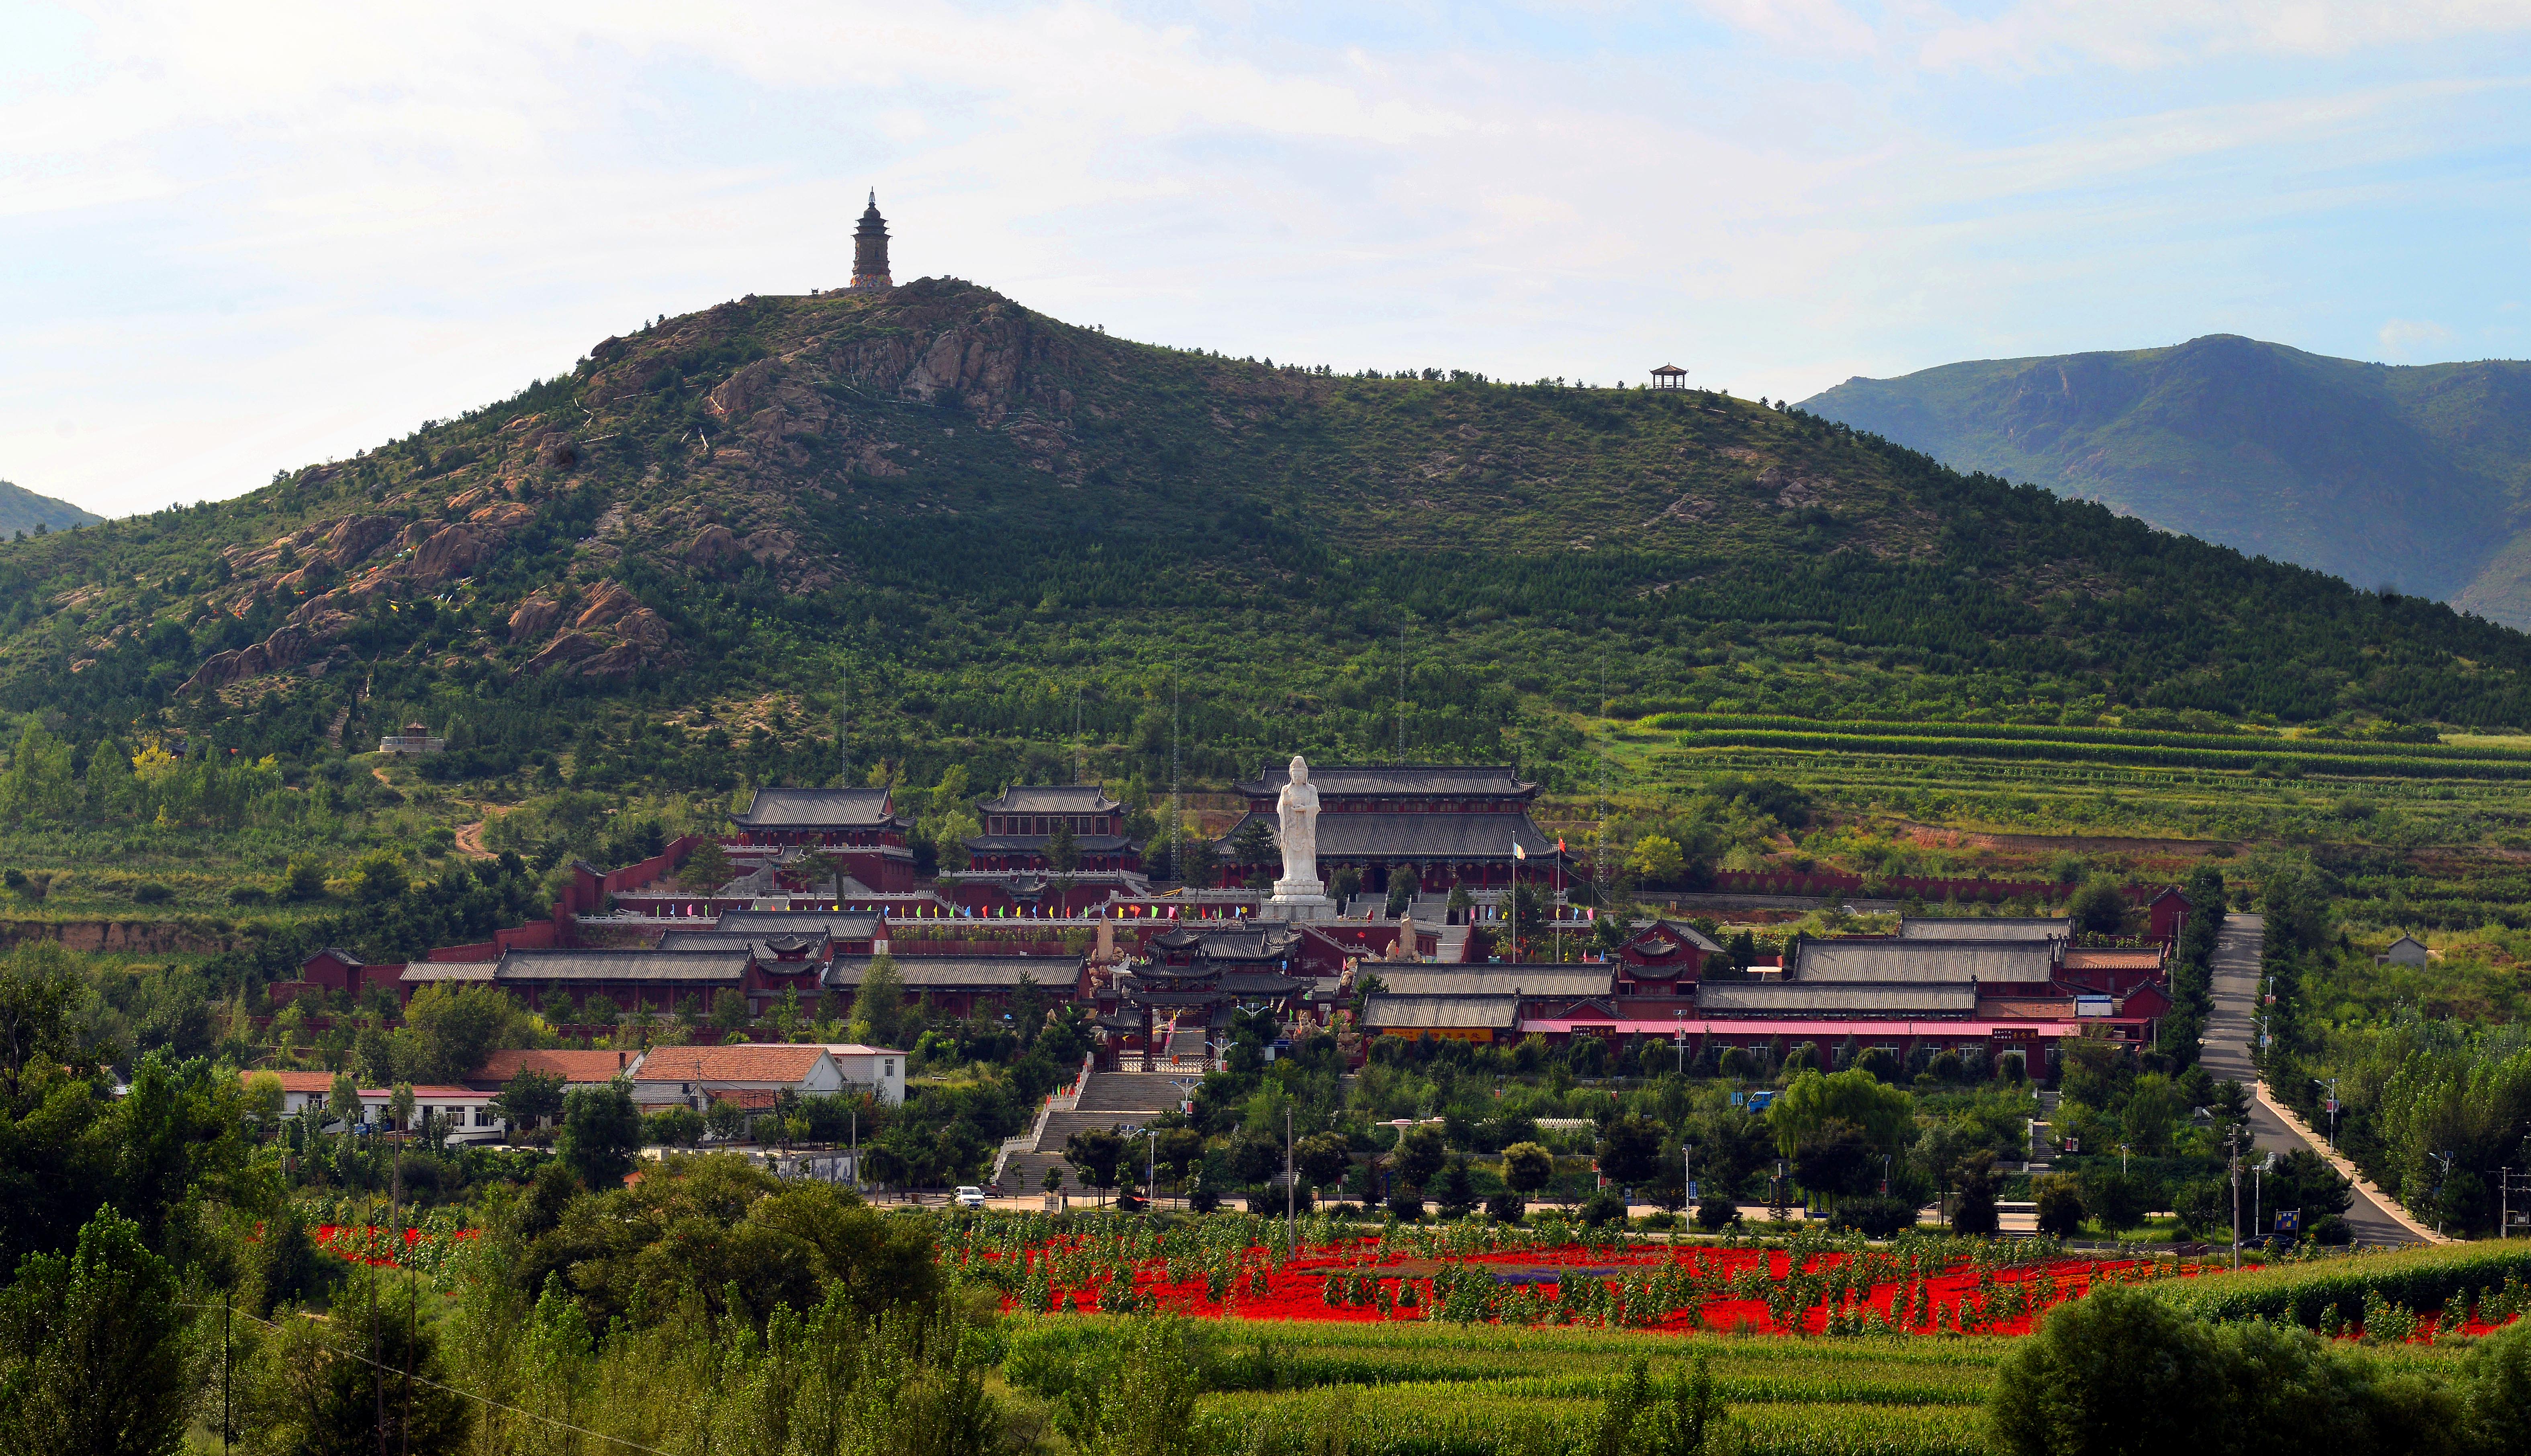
<point>2234,1141</point>
<point>2331,1083</point>
<point>1177,796</point>
<point>844,724</point>
<point>1288,1176</point>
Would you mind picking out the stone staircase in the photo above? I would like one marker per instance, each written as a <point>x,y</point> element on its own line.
<point>1107,1099</point>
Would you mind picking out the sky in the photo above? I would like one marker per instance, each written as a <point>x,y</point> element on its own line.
<point>238,239</point>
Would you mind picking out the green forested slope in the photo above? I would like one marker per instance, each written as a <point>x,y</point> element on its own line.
<point>987,525</point>
<point>2415,475</point>
<point>23,511</point>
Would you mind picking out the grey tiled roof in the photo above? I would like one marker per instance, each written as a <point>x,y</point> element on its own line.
<point>1799,998</point>
<point>1088,844</point>
<point>1980,928</point>
<point>761,923</point>
<point>962,972</point>
<point>813,808</point>
<point>761,945</point>
<point>1419,836</point>
<point>1497,1013</point>
<point>1928,961</point>
<point>1440,780</point>
<point>532,966</point>
<point>1036,798</point>
<point>1542,981</point>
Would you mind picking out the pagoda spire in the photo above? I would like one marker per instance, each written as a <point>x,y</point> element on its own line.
<point>870,251</point>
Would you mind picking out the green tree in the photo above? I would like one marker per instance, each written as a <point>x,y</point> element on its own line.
<point>878,1007</point>
<point>673,1127</point>
<point>455,1028</point>
<point>2099,907</point>
<point>1323,1160</point>
<point>339,1388</point>
<point>2060,1206</point>
<point>1884,1116</point>
<point>304,878</point>
<point>1421,1154</point>
<point>602,1134</point>
<point>93,1355</point>
<point>705,869</point>
<point>529,1099</point>
<point>1527,1167</point>
<point>1656,860</point>
<point>380,875</point>
<point>1630,1150</point>
<point>1094,1154</point>
<point>1062,850</point>
<point>2116,1372</point>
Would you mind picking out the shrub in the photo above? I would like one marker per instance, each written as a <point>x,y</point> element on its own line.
<point>152,892</point>
<point>1203,1199</point>
<point>2060,1207</point>
<point>1715,1212</point>
<point>2301,1293</point>
<point>1406,1208</point>
<point>1505,1207</point>
<point>1876,1216</point>
<point>1602,1208</point>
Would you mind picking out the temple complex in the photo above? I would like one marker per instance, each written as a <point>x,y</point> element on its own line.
<point>1440,825</point>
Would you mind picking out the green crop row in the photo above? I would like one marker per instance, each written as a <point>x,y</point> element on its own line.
<point>2322,747</point>
<point>2420,1279</point>
<point>1397,1421</point>
<point>2289,764</point>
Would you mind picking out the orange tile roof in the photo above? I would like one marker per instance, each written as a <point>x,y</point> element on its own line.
<point>292,1081</point>
<point>2114,959</point>
<point>752,1062</point>
<point>570,1066</point>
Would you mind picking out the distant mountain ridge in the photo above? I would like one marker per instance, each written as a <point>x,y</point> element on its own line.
<point>2413,475</point>
<point>24,510</point>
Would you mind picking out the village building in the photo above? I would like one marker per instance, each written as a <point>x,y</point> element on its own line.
<point>577,1069</point>
<point>1437,826</point>
<point>751,1076</point>
<point>857,828</point>
<point>2408,950</point>
<point>467,1111</point>
<point>598,984</point>
<point>958,986</point>
<point>1021,828</point>
<point>875,1072</point>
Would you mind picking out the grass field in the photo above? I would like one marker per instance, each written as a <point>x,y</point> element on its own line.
<point>1435,1390</point>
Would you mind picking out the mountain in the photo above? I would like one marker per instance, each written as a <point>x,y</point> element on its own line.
<point>22,510</point>
<point>2415,476</point>
<point>970,532</point>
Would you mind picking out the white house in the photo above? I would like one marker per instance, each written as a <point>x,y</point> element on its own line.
<point>468,1109</point>
<point>876,1070</point>
<point>749,1075</point>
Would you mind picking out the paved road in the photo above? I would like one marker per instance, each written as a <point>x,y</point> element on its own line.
<point>2227,1055</point>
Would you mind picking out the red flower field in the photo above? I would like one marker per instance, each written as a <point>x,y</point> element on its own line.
<point>1655,1287</point>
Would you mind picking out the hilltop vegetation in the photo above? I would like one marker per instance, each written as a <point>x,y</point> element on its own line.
<point>972,527</point>
<point>2413,475</point>
<point>24,513</point>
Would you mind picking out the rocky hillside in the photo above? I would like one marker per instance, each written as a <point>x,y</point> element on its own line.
<point>2415,476</point>
<point>976,529</point>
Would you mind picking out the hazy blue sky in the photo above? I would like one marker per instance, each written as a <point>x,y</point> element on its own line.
<point>238,238</point>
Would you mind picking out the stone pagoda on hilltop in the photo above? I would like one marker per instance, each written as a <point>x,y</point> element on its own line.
<point>870,251</point>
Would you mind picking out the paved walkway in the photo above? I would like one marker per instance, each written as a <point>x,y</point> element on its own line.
<point>2229,1033</point>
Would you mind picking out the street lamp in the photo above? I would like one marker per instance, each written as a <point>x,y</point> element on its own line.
<point>2331,1083</point>
<point>1681,1036</point>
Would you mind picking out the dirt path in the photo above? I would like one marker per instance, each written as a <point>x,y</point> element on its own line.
<point>469,841</point>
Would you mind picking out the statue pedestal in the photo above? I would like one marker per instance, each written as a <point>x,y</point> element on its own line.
<point>1298,900</point>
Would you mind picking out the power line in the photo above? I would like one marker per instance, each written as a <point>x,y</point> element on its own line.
<point>451,1389</point>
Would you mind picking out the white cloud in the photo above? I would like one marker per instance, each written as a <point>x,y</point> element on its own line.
<point>235,240</point>
<point>2405,338</point>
